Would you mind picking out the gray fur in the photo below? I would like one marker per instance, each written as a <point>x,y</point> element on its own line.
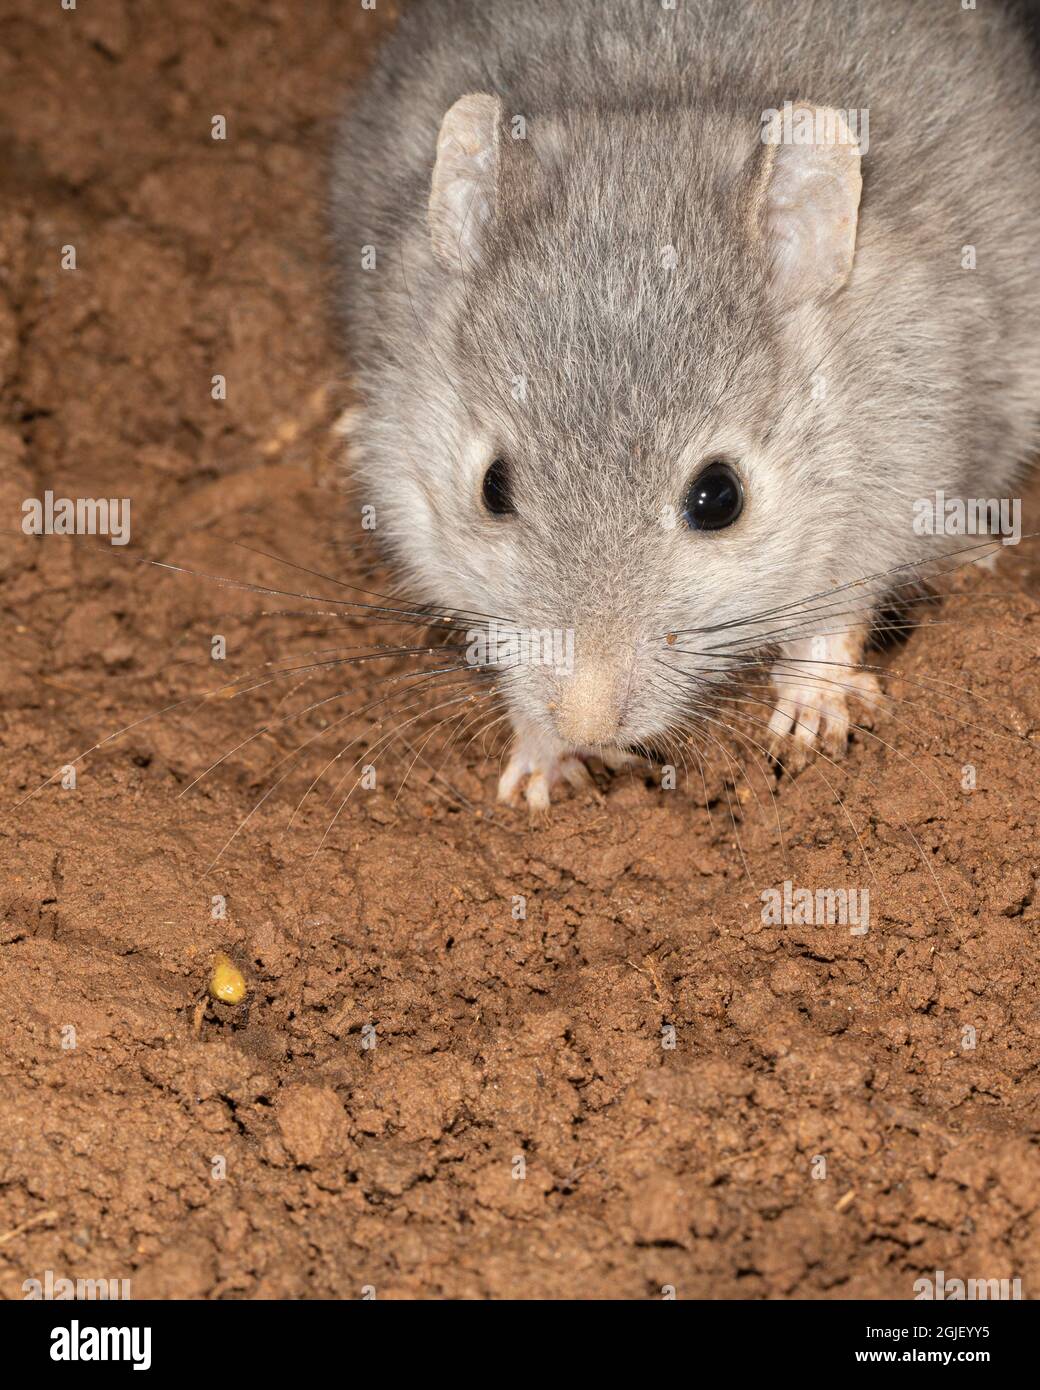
<point>643,132</point>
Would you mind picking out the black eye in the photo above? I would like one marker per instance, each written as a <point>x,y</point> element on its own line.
<point>715,498</point>
<point>496,491</point>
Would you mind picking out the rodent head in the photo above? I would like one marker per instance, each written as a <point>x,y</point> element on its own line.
<point>608,434</point>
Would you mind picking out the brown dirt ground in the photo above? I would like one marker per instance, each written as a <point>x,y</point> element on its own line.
<point>392,1166</point>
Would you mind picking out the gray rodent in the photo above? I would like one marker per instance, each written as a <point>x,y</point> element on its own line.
<point>602,263</point>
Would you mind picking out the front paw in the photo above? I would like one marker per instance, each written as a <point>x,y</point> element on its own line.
<point>816,694</point>
<point>538,766</point>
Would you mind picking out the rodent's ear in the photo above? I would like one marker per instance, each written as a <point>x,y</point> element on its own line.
<point>465,176</point>
<point>810,199</point>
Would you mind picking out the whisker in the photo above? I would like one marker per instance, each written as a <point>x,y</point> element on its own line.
<point>458,796</point>
<point>440,724</point>
<point>989,546</point>
<point>373,753</point>
<point>814,766</point>
<point>757,798</point>
<point>321,733</point>
<point>352,607</point>
<point>321,774</point>
<point>297,714</point>
<point>340,583</point>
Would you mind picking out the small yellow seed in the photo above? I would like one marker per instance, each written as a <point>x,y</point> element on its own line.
<point>227,983</point>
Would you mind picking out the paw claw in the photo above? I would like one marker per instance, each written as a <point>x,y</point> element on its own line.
<point>813,703</point>
<point>577,775</point>
<point>538,766</point>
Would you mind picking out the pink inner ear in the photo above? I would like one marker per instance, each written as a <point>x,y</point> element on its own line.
<point>464,176</point>
<point>811,210</point>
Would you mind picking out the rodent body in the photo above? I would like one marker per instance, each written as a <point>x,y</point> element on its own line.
<point>612,262</point>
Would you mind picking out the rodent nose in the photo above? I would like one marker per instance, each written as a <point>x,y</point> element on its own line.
<point>590,702</point>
